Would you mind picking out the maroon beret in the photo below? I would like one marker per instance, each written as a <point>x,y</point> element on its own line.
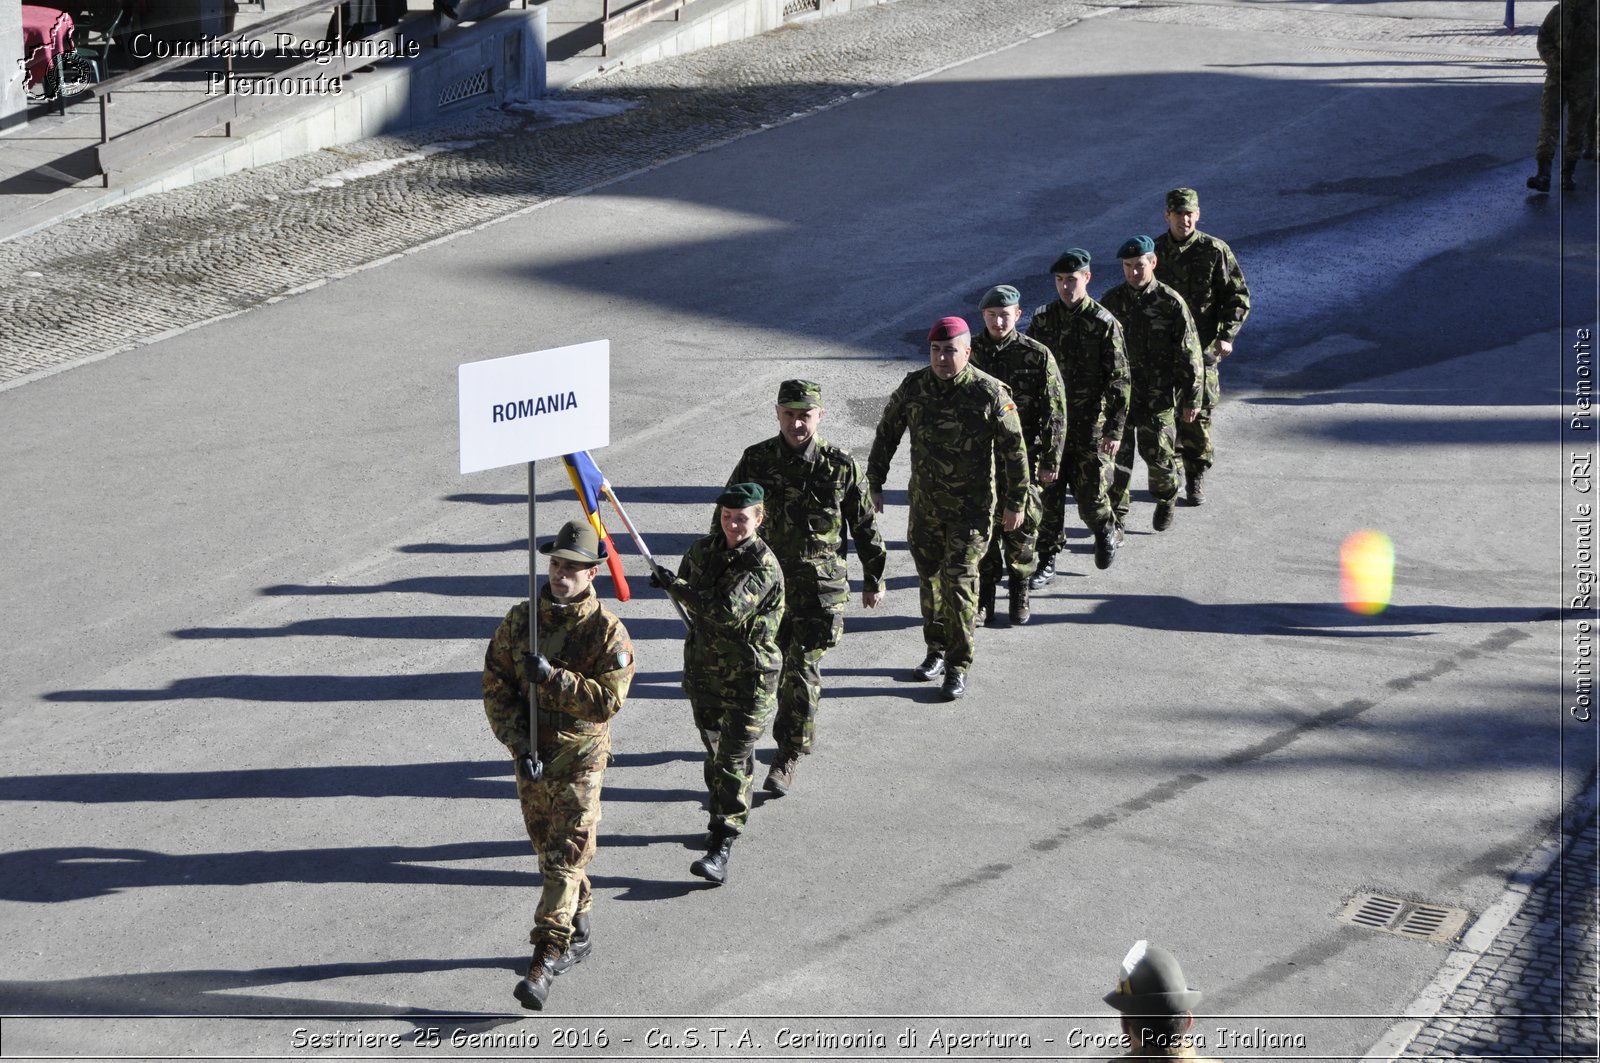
<point>948,328</point>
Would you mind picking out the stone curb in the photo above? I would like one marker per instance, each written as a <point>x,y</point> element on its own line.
<point>1429,1003</point>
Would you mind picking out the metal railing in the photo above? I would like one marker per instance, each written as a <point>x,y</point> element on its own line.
<point>121,151</point>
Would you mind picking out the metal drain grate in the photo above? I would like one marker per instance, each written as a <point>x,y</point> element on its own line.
<point>1408,919</point>
<point>474,85</point>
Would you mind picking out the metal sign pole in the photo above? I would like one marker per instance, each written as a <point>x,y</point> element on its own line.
<point>533,625</point>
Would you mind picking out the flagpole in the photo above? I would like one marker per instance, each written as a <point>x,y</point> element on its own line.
<point>638,540</point>
<point>533,625</point>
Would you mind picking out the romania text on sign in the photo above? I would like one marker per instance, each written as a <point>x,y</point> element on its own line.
<point>536,405</point>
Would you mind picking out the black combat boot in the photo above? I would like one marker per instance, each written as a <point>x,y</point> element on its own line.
<point>1568,168</point>
<point>932,667</point>
<point>578,948</point>
<point>713,867</point>
<point>534,989</point>
<point>1197,486</point>
<point>1540,182</point>
<point>1165,514</point>
<point>1106,542</point>
<point>1019,601</point>
<point>1044,573</point>
<point>986,592</point>
<point>781,775</point>
<point>955,684</point>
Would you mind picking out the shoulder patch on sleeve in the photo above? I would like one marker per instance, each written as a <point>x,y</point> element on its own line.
<point>622,660</point>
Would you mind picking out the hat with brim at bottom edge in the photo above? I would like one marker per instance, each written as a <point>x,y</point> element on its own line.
<point>1152,983</point>
<point>576,541</point>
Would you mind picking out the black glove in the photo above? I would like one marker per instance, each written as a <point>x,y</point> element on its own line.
<point>528,768</point>
<point>661,577</point>
<point>539,669</point>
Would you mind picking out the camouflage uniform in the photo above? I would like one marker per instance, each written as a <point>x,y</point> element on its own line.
<point>1203,270</point>
<point>593,661</point>
<point>1566,44</point>
<point>1026,367</point>
<point>1164,358</point>
<point>959,428</point>
<point>1087,343</point>
<point>731,660</point>
<point>812,497</point>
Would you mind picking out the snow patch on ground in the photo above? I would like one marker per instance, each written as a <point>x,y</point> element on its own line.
<point>566,112</point>
<point>339,178</point>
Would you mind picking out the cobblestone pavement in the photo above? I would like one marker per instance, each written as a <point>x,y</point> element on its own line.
<point>118,278</point>
<point>1532,993</point>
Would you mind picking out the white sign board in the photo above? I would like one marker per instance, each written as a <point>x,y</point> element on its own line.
<point>537,405</point>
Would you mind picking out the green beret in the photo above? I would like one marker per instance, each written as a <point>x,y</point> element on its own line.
<point>1136,246</point>
<point>800,395</point>
<point>741,496</point>
<point>1072,260</point>
<point>1180,199</point>
<point>1000,295</point>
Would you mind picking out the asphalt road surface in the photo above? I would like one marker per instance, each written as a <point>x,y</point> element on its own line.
<point>248,595</point>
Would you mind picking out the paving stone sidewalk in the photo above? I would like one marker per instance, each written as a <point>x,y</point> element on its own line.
<point>1532,994</point>
<point>117,279</point>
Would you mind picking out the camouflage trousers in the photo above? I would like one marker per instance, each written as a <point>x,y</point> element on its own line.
<point>730,730</point>
<point>1194,437</point>
<point>561,814</point>
<point>946,552</point>
<point>804,640</point>
<point>1579,97</point>
<point>1087,473</point>
<point>1155,438</point>
<point>1014,550</point>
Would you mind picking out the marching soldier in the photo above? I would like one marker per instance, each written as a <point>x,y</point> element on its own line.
<point>1203,270</point>
<point>582,670</point>
<point>1157,1005</point>
<point>731,585</point>
<point>962,421</point>
<point>1087,343</point>
<point>814,491</point>
<point>1027,368</point>
<point>1164,357</point>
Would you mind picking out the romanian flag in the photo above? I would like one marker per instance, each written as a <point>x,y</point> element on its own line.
<point>589,483</point>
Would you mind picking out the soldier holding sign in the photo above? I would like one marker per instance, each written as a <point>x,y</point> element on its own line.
<point>582,671</point>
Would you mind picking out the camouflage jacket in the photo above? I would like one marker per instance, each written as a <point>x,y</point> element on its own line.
<point>959,428</point>
<point>1163,347</point>
<point>1028,369</point>
<point>1087,343</point>
<point>593,660</point>
<point>1566,41</point>
<point>1205,273</point>
<point>734,595</point>
<point>812,498</point>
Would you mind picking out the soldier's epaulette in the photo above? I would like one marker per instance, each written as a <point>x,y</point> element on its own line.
<point>836,454</point>
<point>1104,316</point>
<point>1040,309</point>
<point>1029,341</point>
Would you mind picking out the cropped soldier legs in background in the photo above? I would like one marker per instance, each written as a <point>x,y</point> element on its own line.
<point>1567,46</point>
